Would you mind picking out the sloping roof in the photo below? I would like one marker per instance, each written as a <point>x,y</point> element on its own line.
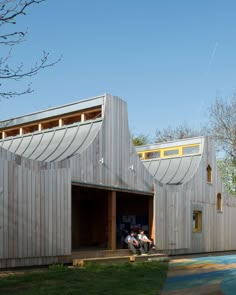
<point>56,111</point>
<point>173,170</point>
<point>54,144</point>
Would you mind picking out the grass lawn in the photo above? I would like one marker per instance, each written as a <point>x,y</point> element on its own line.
<point>120,279</point>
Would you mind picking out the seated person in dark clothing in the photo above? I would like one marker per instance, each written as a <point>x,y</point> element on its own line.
<point>145,242</point>
<point>133,243</point>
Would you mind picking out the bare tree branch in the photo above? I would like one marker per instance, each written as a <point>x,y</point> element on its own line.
<point>10,10</point>
<point>8,14</point>
<point>12,38</point>
<point>18,73</point>
<point>179,132</point>
<point>11,94</point>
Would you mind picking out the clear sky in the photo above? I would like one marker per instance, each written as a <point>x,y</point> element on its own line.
<point>168,59</point>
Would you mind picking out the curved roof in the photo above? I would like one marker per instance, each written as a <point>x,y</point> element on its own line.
<point>174,170</point>
<point>54,144</point>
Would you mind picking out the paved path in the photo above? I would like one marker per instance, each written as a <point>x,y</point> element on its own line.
<point>211,275</point>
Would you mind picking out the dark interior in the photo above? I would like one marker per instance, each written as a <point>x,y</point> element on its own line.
<point>90,216</point>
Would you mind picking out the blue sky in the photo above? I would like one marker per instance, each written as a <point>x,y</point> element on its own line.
<point>168,59</point>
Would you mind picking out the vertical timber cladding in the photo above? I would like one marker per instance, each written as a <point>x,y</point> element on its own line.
<point>111,159</point>
<point>173,218</point>
<point>34,210</point>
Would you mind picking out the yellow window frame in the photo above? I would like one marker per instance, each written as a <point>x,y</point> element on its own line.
<point>189,145</point>
<point>163,150</point>
<point>152,151</point>
<point>170,149</point>
<point>197,221</point>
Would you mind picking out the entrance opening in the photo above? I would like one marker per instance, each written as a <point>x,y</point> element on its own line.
<point>90,217</point>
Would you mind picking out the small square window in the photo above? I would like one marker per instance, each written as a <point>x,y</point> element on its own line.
<point>197,221</point>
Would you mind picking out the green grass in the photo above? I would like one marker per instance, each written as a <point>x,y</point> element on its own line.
<point>126,279</point>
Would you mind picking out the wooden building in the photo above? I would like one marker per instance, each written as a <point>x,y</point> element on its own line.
<point>67,175</point>
<point>194,214</point>
<point>71,179</point>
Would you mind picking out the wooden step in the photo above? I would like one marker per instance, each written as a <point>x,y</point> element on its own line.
<point>80,262</point>
<point>101,253</point>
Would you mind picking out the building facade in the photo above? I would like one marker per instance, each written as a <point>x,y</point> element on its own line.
<point>71,179</point>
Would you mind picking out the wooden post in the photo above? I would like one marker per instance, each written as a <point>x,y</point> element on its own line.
<point>61,122</point>
<point>83,117</point>
<point>112,220</point>
<point>151,218</point>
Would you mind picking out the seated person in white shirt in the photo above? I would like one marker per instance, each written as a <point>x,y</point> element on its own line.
<point>145,242</point>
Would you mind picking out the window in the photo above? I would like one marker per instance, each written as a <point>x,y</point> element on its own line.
<point>209,174</point>
<point>171,152</point>
<point>197,221</point>
<point>152,155</point>
<point>188,150</point>
<point>219,202</point>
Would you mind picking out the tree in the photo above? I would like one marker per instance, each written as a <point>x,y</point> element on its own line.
<point>228,174</point>
<point>140,139</point>
<point>222,117</point>
<point>10,10</point>
<point>222,127</point>
<point>179,132</point>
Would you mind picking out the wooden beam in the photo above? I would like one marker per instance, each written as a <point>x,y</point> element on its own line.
<point>151,218</point>
<point>112,220</point>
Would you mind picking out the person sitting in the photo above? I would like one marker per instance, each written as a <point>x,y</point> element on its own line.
<point>145,242</point>
<point>133,244</point>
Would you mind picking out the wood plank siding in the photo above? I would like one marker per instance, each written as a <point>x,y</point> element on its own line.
<point>30,212</point>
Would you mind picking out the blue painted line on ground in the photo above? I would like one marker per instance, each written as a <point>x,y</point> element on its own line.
<point>194,280</point>
<point>214,259</point>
